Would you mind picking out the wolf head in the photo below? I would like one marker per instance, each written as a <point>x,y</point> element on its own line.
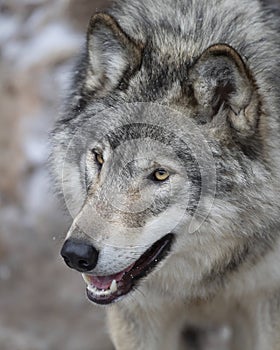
<point>164,160</point>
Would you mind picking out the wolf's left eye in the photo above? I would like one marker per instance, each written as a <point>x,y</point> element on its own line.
<point>161,175</point>
<point>98,157</point>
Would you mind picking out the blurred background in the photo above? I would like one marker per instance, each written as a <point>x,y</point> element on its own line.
<point>42,303</point>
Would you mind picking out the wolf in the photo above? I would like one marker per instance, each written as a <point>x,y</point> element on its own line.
<point>167,157</point>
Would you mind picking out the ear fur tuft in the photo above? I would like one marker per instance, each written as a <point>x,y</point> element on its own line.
<point>112,55</point>
<point>220,79</point>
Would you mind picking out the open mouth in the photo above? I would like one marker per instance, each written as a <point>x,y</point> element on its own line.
<point>105,290</point>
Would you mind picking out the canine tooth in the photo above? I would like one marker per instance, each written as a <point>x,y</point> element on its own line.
<point>86,279</point>
<point>113,287</point>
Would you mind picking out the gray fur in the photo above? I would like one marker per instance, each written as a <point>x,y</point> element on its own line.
<point>189,77</point>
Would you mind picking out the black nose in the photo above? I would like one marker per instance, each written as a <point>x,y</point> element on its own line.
<point>79,255</point>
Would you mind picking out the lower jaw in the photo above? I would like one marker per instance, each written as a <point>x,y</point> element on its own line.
<point>130,280</point>
<point>105,300</point>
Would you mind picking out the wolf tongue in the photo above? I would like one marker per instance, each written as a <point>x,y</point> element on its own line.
<point>104,282</point>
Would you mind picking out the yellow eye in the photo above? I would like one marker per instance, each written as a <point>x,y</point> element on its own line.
<point>99,159</point>
<point>161,175</point>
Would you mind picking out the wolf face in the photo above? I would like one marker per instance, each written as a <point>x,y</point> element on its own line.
<point>165,156</point>
<point>139,180</point>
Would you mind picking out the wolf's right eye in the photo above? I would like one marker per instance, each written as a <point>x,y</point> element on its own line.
<point>98,157</point>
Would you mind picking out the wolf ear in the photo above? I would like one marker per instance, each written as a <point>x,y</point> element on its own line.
<point>112,56</point>
<point>220,79</point>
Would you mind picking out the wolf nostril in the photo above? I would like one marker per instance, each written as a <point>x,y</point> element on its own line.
<point>83,263</point>
<point>79,255</point>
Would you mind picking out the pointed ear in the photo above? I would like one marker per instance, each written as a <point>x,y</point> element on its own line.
<point>112,56</point>
<point>220,79</point>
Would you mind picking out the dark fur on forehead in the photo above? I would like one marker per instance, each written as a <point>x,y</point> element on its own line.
<point>168,54</point>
